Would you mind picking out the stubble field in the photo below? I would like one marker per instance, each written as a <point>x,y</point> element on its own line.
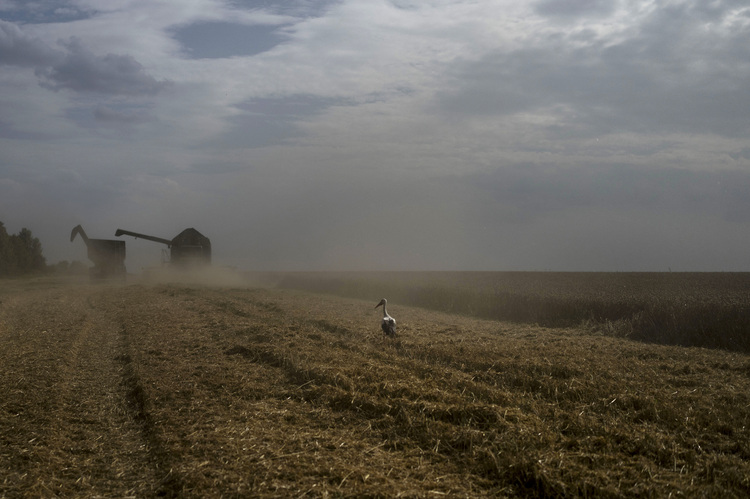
<point>205,391</point>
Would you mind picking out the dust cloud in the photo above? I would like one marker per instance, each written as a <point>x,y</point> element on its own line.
<point>214,276</point>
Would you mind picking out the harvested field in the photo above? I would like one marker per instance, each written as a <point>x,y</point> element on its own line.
<point>196,391</point>
<point>706,309</point>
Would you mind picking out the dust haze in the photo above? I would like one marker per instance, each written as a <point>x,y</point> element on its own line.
<point>212,276</point>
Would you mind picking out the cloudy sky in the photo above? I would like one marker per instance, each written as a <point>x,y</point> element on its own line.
<point>383,134</point>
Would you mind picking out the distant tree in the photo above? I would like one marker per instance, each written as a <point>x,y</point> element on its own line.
<point>20,253</point>
<point>32,250</point>
<point>6,252</point>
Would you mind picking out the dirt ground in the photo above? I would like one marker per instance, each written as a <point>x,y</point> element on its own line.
<point>187,390</point>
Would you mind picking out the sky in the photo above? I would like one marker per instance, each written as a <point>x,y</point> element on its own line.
<point>566,135</point>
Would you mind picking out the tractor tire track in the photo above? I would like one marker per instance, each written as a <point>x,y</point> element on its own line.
<point>167,483</point>
<point>71,422</point>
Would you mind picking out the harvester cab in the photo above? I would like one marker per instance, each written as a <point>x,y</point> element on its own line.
<point>108,255</point>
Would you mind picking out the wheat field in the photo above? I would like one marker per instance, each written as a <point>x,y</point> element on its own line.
<point>193,390</point>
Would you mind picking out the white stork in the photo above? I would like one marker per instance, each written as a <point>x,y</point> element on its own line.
<point>389,323</point>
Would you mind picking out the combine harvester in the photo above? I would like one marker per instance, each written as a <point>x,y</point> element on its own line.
<point>108,256</point>
<point>189,249</point>
<point>187,258</point>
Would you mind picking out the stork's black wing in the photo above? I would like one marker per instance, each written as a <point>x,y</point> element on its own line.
<point>389,326</point>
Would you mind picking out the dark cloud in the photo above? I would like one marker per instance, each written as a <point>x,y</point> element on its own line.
<point>575,8</point>
<point>299,8</point>
<point>44,11</point>
<point>81,70</point>
<point>20,49</point>
<point>75,67</point>
<point>208,40</point>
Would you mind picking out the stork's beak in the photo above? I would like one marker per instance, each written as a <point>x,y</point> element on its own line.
<point>379,304</point>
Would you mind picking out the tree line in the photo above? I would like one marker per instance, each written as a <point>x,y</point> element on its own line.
<point>20,253</point>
